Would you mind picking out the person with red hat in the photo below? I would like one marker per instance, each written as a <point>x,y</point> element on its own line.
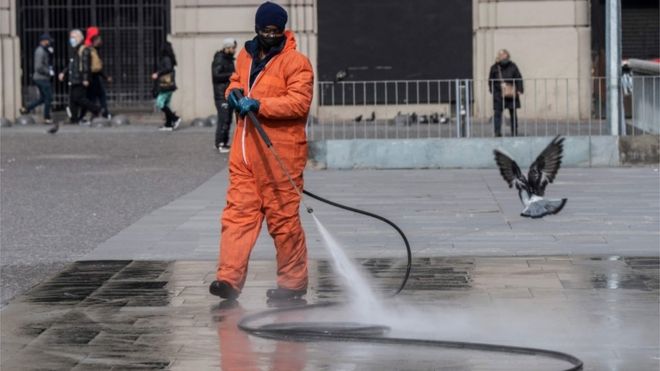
<point>96,90</point>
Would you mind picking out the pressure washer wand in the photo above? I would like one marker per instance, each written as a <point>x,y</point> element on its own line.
<point>269,144</point>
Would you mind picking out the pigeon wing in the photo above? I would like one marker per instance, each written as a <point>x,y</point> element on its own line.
<point>509,169</point>
<point>545,167</point>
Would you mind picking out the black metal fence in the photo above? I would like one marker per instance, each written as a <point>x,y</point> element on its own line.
<point>133,32</point>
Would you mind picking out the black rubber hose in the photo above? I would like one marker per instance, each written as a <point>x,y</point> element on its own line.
<point>320,331</point>
<point>383,219</point>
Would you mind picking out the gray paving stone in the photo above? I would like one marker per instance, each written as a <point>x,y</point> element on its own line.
<point>443,212</point>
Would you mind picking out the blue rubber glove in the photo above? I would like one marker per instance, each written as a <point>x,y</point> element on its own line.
<point>246,105</point>
<point>232,101</point>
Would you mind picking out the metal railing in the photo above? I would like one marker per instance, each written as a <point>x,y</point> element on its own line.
<point>465,108</point>
<point>132,31</point>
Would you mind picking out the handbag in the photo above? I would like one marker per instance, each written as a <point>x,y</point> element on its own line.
<point>508,89</point>
<point>166,81</point>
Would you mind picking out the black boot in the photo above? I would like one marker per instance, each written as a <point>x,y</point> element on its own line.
<point>281,293</point>
<point>172,118</point>
<point>167,126</point>
<point>223,290</point>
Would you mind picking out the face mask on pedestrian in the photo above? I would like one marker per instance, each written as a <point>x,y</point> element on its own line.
<point>269,39</point>
<point>505,61</point>
<point>73,42</point>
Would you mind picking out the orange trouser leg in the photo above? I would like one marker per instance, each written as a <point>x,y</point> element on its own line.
<point>282,216</point>
<point>281,204</point>
<point>241,224</point>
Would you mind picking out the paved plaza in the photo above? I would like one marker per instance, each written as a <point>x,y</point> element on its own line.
<point>443,212</point>
<point>583,282</point>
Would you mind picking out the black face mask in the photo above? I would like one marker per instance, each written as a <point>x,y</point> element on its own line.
<point>505,61</point>
<point>267,43</point>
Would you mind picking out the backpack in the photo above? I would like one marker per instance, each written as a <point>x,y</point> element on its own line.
<point>96,64</point>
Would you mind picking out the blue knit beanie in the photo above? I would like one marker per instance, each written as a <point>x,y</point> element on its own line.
<point>270,14</point>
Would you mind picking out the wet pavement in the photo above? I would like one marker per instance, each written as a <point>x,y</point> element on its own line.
<point>122,314</point>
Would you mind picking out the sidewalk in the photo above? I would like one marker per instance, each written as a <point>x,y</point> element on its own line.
<point>443,213</point>
<point>584,281</point>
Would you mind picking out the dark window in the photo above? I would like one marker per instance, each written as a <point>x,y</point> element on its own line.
<point>376,40</point>
<point>132,31</point>
<point>394,39</point>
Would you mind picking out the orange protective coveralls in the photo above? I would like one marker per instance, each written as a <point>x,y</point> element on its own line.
<point>257,185</point>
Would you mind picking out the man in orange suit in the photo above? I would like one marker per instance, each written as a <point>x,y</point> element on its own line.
<point>277,84</point>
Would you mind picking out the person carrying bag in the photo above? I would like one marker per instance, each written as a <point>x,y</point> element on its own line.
<point>506,85</point>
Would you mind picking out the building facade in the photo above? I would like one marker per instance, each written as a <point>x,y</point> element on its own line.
<point>10,85</point>
<point>367,40</point>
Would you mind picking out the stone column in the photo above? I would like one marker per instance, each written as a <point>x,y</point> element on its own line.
<point>198,27</point>
<point>548,39</point>
<point>10,69</point>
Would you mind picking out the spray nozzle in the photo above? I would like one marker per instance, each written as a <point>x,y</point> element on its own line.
<point>310,210</point>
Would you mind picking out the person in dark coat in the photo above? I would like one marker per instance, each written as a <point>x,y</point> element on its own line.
<point>96,91</point>
<point>505,72</point>
<point>221,69</point>
<point>79,74</point>
<point>165,81</point>
<point>43,73</point>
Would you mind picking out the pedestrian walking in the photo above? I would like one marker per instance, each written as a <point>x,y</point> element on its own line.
<point>277,84</point>
<point>506,85</point>
<point>165,85</point>
<point>96,91</point>
<point>222,68</point>
<point>42,76</point>
<point>78,76</point>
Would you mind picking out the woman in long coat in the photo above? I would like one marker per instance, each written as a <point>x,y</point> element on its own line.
<point>504,72</point>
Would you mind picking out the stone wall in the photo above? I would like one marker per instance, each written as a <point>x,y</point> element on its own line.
<point>471,153</point>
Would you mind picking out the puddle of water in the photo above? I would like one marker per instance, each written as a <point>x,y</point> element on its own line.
<point>124,314</point>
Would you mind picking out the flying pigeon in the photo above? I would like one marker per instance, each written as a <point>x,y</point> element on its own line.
<point>531,189</point>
